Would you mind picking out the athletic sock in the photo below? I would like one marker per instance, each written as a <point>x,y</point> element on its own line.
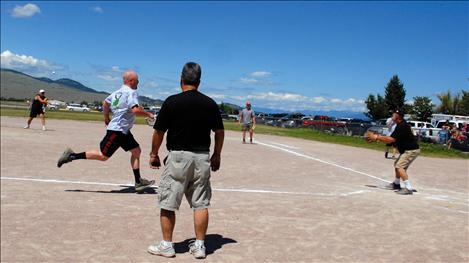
<point>167,243</point>
<point>77,156</point>
<point>397,181</point>
<point>137,175</point>
<point>199,243</point>
<point>407,185</point>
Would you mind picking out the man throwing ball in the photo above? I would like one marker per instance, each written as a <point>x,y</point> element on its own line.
<point>124,106</point>
<point>37,108</point>
<point>408,147</point>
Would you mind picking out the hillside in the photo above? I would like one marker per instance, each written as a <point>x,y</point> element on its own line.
<point>17,85</point>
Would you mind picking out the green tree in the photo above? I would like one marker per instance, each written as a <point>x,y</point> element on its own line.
<point>394,94</point>
<point>376,107</point>
<point>450,104</point>
<point>422,108</point>
<point>84,102</point>
<point>464,104</point>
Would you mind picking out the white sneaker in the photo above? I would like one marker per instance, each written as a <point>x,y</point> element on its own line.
<point>197,251</point>
<point>161,250</point>
<point>26,127</point>
<point>44,128</point>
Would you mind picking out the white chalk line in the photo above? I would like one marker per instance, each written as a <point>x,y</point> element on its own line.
<point>283,145</point>
<point>321,161</point>
<point>429,196</point>
<point>242,190</point>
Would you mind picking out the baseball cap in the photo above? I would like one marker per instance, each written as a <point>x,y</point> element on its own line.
<point>41,91</point>
<point>399,112</point>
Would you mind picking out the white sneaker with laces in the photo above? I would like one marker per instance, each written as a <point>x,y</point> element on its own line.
<point>161,250</point>
<point>197,251</point>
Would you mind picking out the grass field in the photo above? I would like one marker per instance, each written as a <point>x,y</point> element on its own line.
<point>431,150</point>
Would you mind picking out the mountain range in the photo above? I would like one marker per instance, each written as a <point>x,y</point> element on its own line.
<point>18,85</point>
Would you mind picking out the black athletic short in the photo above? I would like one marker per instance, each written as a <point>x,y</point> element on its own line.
<point>115,139</point>
<point>34,113</point>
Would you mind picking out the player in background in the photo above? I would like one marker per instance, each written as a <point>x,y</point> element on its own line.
<point>37,108</point>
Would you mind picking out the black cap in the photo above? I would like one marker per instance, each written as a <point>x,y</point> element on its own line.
<point>399,112</point>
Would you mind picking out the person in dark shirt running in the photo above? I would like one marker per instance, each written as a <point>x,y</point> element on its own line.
<point>407,145</point>
<point>189,118</point>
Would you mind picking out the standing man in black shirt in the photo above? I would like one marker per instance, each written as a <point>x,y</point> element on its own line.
<point>408,147</point>
<point>189,117</point>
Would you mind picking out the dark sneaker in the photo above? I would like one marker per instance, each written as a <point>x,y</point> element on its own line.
<point>161,250</point>
<point>144,183</point>
<point>197,251</point>
<point>65,158</point>
<point>392,186</point>
<point>405,191</point>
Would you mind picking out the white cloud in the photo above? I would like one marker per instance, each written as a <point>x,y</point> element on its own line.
<point>216,96</point>
<point>116,69</point>
<point>260,74</point>
<point>150,84</point>
<point>28,64</point>
<point>296,102</point>
<point>108,77</point>
<point>318,100</point>
<point>257,78</point>
<point>249,80</point>
<point>27,10</point>
<point>97,9</point>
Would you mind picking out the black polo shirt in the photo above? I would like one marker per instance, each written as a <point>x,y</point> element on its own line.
<point>405,139</point>
<point>189,117</point>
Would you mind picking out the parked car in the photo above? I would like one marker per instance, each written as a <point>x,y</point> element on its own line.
<point>77,107</point>
<point>52,107</point>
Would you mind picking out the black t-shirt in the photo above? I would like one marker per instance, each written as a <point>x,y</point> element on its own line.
<point>37,105</point>
<point>189,117</point>
<point>405,139</point>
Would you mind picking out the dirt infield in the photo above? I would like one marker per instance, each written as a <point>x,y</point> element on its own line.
<point>278,200</point>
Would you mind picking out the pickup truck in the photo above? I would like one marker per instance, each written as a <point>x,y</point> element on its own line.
<point>77,107</point>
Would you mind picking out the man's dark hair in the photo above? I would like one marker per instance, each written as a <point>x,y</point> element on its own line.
<point>191,73</point>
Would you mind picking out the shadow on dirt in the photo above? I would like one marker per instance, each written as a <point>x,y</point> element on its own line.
<point>213,242</point>
<point>125,190</point>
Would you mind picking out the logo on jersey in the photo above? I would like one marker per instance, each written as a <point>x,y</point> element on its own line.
<point>115,101</point>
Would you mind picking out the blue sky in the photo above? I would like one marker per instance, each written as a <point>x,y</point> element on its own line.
<point>281,55</point>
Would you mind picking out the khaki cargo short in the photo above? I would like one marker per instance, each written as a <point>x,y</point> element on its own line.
<point>186,173</point>
<point>406,159</point>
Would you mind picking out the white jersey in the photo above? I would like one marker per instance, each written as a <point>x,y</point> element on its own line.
<point>391,125</point>
<point>122,101</point>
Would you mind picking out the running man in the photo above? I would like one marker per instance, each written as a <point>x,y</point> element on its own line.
<point>37,108</point>
<point>124,106</point>
<point>189,117</point>
<point>405,141</point>
<point>247,119</point>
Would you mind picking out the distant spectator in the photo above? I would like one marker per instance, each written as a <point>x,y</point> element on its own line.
<point>456,137</point>
<point>464,129</point>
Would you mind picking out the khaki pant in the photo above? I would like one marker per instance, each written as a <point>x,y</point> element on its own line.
<point>405,159</point>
